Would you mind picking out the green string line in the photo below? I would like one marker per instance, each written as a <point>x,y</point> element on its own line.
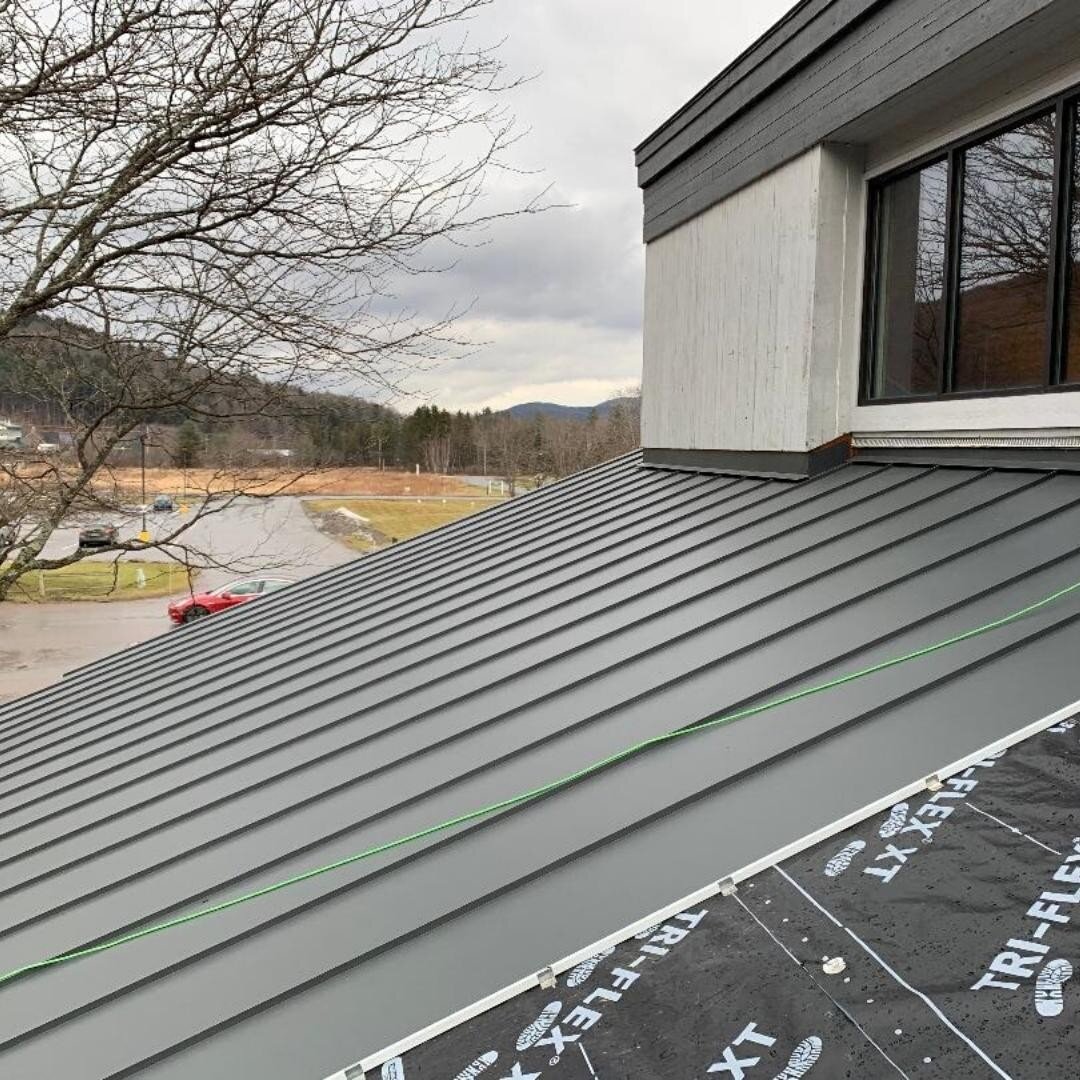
<point>538,792</point>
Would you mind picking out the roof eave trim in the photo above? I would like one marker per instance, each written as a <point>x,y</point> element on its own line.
<point>796,847</point>
<point>755,46</point>
<point>789,55</point>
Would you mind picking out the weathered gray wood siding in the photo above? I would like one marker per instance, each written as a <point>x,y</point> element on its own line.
<point>821,69</point>
<point>748,314</point>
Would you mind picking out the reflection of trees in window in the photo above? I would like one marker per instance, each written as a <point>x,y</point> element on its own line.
<point>909,302</point>
<point>1005,258</point>
<point>975,284</point>
<point>930,280</point>
<point>1072,356</point>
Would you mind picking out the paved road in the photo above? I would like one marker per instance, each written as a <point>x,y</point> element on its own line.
<point>39,642</point>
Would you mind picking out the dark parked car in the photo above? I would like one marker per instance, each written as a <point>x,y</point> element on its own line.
<point>98,536</point>
<point>200,605</point>
<point>164,502</point>
<point>8,535</point>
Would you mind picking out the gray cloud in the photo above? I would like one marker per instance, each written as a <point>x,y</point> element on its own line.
<point>577,263</point>
<point>557,297</point>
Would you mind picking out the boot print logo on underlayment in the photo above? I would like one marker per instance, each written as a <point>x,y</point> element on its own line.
<point>539,1027</point>
<point>896,820</point>
<point>842,860</point>
<point>1050,988</point>
<point>480,1065</point>
<point>803,1058</point>
<point>584,970</point>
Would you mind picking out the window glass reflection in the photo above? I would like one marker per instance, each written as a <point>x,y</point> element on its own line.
<point>911,279</point>
<point>1072,285</point>
<point>1005,259</point>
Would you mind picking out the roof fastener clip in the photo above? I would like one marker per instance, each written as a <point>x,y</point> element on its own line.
<point>353,1072</point>
<point>728,887</point>
<point>546,978</point>
<point>934,783</point>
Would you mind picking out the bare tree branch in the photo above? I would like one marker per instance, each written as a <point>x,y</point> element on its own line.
<point>204,204</point>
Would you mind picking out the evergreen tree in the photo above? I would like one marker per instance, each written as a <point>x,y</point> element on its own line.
<point>189,445</point>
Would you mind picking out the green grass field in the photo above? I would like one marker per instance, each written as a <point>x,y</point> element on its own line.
<point>101,581</point>
<point>400,519</point>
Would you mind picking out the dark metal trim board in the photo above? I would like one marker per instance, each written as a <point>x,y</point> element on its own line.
<point>1037,459</point>
<point>774,464</point>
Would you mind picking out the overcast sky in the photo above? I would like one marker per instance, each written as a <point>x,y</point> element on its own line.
<point>557,298</point>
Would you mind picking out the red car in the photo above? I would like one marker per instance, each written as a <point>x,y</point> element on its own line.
<point>190,608</point>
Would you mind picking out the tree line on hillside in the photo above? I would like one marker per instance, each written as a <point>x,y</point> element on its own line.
<point>322,430</point>
<point>344,431</point>
<point>502,444</point>
<point>55,380</point>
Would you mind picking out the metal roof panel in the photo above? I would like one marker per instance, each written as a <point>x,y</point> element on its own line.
<point>649,601</point>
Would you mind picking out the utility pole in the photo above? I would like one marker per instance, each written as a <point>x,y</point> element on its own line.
<point>144,535</point>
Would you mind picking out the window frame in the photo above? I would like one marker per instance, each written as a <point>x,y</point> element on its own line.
<point>1065,107</point>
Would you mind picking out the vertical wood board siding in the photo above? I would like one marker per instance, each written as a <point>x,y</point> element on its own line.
<point>728,320</point>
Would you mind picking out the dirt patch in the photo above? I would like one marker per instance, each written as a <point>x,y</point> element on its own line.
<point>358,535</point>
<point>346,481</point>
<point>369,525</point>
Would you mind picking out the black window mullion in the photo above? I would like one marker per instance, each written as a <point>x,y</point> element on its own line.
<point>954,215</point>
<point>870,293</point>
<point>1060,256</point>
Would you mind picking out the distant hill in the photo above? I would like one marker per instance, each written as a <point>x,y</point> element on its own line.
<point>529,409</point>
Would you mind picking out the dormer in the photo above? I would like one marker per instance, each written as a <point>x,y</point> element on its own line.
<point>862,235</point>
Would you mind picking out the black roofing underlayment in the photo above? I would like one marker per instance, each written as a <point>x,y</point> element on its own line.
<point>936,940</point>
<point>480,661</point>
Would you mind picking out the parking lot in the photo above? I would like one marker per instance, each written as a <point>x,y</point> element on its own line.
<point>39,642</point>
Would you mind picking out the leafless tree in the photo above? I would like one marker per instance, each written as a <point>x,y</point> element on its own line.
<point>436,452</point>
<point>203,207</point>
<point>623,432</point>
<point>510,442</point>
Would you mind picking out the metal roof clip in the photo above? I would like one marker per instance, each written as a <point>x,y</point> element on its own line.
<point>354,1072</point>
<point>546,978</point>
<point>728,887</point>
<point>934,783</point>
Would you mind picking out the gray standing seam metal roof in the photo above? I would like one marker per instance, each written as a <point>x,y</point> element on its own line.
<point>465,666</point>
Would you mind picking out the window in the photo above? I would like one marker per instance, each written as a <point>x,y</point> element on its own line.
<point>1008,202</point>
<point>242,588</point>
<point>1071,288</point>
<point>971,284</point>
<point>909,309</point>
